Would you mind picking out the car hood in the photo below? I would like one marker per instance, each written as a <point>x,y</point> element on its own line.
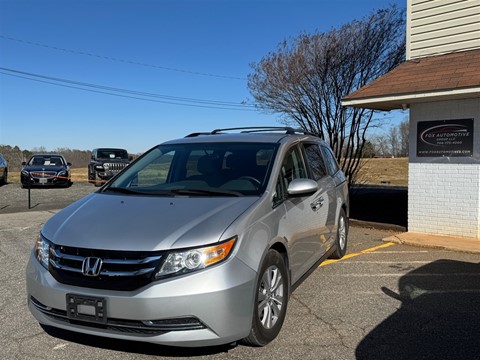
<point>39,168</point>
<point>144,223</point>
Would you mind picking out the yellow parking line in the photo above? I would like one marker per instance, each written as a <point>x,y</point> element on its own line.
<point>366,251</point>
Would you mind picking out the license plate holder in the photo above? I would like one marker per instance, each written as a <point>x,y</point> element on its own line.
<point>42,181</point>
<point>86,308</point>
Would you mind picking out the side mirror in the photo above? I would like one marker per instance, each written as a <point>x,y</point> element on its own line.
<point>69,163</point>
<point>24,163</point>
<point>302,187</point>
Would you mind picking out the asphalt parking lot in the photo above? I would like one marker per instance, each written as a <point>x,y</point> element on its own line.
<point>382,301</point>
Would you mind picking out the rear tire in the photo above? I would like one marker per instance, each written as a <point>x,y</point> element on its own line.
<point>271,300</point>
<point>342,236</point>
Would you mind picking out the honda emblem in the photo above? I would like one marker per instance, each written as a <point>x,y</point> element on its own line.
<point>91,266</point>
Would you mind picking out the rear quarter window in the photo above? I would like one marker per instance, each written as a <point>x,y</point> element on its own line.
<point>330,161</point>
<point>315,161</point>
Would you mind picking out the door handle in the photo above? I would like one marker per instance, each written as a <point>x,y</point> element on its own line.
<point>317,204</point>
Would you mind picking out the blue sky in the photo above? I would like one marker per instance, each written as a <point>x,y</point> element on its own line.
<point>194,53</point>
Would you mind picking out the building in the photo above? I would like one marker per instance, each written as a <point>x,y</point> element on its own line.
<point>440,85</point>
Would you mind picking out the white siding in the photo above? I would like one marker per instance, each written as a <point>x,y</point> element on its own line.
<point>441,26</point>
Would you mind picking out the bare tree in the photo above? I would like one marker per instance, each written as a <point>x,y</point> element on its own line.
<point>393,141</point>
<point>305,80</point>
<point>381,144</point>
<point>404,130</point>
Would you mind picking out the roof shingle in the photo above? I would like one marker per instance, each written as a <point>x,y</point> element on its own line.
<point>453,71</point>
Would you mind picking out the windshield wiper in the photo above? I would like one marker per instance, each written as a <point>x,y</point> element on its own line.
<point>173,192</point>
<point>123,190</point>
<point>203,192</point>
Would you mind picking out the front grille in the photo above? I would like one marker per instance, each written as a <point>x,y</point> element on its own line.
<point>43,174</point>
<point>119,270</point>
<point>114,166</point>
<point>147,327</point>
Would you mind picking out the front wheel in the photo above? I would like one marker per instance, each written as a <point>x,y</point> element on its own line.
<point>97,180</point>
<point>271,299</point>
<point>5,178</point>
<point>342,236</point>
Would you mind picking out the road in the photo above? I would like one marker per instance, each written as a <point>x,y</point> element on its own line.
<point>382,301</point>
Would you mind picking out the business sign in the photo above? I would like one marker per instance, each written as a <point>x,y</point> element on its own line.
<point>445,138</point>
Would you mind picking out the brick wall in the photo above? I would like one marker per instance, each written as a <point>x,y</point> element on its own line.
<point>444,199</point>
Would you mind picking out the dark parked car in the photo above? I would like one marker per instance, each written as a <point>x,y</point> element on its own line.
<point>46,170</point>
<point>3,170</point>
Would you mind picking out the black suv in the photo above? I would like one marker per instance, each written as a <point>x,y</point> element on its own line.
<point>106,163</point>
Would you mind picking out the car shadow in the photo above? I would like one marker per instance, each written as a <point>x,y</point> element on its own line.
<point>439,317</point>
<point>380,204</point>
<point>136,347</point>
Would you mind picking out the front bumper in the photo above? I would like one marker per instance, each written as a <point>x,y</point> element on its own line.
<point>107,175</point>
<point>44,181</point>
<point>211,307</point>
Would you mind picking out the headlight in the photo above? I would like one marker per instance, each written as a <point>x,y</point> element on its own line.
<point>26,173</point>
<point>185,261</point>
<point>62,173</point>
<point>98,167</point>
<point>42,251</point>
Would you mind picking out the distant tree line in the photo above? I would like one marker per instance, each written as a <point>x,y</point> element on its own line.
<point>392,144</point>
<point>15,156</point>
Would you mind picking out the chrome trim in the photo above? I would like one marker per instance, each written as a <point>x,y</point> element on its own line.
<point>59,266</point>
<point>63,256</point>
<point>122,325</point>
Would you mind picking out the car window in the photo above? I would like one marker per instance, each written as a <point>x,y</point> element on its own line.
<point>112,154</point>
<point>315,160</point>
<point>56,161</point>
<point>242,168</point>
<point>156,171</point>
<point>331,163</point>
<point>279,194</point>
<point>293,167</point>
<point>36,161</point>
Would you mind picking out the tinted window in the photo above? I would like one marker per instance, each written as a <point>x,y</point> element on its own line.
<point>293,167</point>
<point>243,168</point>
<point>315,161</point>
<point>46,161</point>
<point>112,154</point>
<point>156,171</point>
<point>332,164</point>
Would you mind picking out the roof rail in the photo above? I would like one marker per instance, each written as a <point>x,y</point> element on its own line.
<point>197,134</point>
<point>252,129</point>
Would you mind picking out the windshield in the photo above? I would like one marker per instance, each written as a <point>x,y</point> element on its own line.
<point>199,169</point>
<point>112,154</point>
<point>46,161</point>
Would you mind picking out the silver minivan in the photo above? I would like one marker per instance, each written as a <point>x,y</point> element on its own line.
<point>198,242</point>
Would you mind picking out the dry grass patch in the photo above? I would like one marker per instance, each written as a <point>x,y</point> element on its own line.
<point>383,171</point>
<point>372,171</point>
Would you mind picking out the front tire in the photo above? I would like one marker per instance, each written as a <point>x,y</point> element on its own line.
<point>97,181</point>
<point>5,178</point>
<point>342,236</point>
<point>271,300</point>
